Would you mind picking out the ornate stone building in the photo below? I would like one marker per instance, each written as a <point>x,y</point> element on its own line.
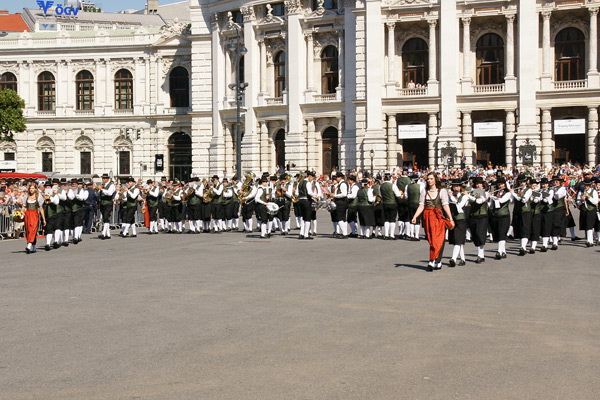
<point>328,81</point>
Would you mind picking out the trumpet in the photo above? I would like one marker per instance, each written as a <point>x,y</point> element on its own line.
<point>46,198</point>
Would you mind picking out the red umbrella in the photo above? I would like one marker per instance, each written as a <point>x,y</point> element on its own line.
<point>21,175</point>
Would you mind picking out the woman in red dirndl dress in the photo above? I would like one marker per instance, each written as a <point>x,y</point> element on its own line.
<point>432,201</point>
<point>32,208</point>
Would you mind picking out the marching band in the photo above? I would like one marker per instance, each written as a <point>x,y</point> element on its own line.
<point>359,208</point>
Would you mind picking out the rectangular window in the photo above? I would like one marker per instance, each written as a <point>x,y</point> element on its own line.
<point>278,9</point>
<point>46,162</point>
<point>124,162</point>
<point>9,156</point>
<point>86,162</point>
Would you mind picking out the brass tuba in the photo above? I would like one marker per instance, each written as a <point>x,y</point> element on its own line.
<point>246,189</point>
<point>295,198</point>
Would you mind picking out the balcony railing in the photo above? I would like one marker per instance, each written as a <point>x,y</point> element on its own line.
<point>84,112</point>
<point>179,110</point>
<point>566,85</point>
<point>49,113</point>
<point>498,88</point>
<point>274,101</point>
<point>325,98</point>
<point>124,111</point>
<point>405,92</point>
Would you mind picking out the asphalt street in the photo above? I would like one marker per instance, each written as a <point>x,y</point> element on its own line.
<point>232,316</point>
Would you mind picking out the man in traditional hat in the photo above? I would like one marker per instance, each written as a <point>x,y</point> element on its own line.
<point>546,210</point>
<point>522,213</point>
<point>162,204</point>
<point>478,218</point>
<point>263,196</point>
<point>559,212</point>
<point>77,195</point>
<point>353,205</point>
<point>132,194</point>
<point>413,193</point>
<point>91,204</point>
<point>458,199</point>
<point>193,206</point>
<point>340,198</point>
<point>106,205</point>
<point>403,216</point>
<point>587,201</point>
<point>317,194</point>
<point>390,196</point>
<point>304,192</point>
<point>152,204</point>
<point>499,215</point>
<point>176,208</point>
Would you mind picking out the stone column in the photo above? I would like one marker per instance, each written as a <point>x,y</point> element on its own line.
<point>265,154</point>
<point>547,142</point>
<point>466,79</point>
<point>432,82</point>
<point>310,84</point>
<point>510,84</point>
<point>391,51</point>
<point>312,156</point>
<point>432,136</point>
<point>468,144</point>
<point>449,75</point>
<point>593,81</point>
<point>392,141</point>
<point>546,78</point>
<point>110,105</point>
<point>341,68</point>
<point>229,162</point>
<point>592,136</point>
<point>263,66</point>
<point>510,138</point>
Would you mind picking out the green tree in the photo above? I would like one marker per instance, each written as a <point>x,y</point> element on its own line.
<point>11,114</point>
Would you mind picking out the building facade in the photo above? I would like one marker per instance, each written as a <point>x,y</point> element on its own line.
<point>330,83</point>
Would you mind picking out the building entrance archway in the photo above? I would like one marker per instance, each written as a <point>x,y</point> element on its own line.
<point>280,149</point>
<point>180,156</point>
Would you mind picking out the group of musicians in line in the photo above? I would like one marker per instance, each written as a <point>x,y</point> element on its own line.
<point>363,209</point>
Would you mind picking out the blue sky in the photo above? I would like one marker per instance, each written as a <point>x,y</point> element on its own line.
<point>106,5</point>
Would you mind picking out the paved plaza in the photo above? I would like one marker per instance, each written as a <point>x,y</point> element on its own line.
<point>232,316</point>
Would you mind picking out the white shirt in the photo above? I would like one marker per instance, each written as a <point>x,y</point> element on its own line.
<point>443,196</point>
<point>459,204</point>
<point>109,190</point>
<point>525,194</point>
<point>259,192</point>
<point>133,193</point>
<point>353,191</point>
<point>593,197</point>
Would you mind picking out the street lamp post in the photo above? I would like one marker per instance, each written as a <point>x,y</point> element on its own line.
<point>372,155</point>
<point>237,50</point>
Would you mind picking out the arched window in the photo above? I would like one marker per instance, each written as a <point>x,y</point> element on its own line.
<point>415,66</point>
<point>490,60</point>
<point>8,80</point>
<point>180,156</point>
<point>84,81</point>
<point>569,50</point>
<point>179,87</point>
<point>46,91</point>
<point>280,148</point>
<point>279,65</point>
<point>123,90</point>
<point>329,70</point>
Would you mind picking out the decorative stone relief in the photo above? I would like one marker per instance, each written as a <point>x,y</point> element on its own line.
<point>117,64</point>
<point>6,146</point>
<point>406,2</point>
<point>175,28</point>
<point>324,40</point>
<point>248,13</point>
<point>487,26</point>
<point>273,47</point>
<point>45,143</point>
<point>42,66</point>
<point>293,6</point>
<point>405,31</point>
<point>171,63</point>
<point>570,20</point>
<point>122,142</point>
<point>11,67</point>
<point>84,143</point>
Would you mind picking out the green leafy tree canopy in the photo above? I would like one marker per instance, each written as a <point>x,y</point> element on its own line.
<point>11,114</point>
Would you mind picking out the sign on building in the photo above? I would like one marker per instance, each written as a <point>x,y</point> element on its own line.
<point>413,131</point>
<point>569,126</point>
<point>488,129</point>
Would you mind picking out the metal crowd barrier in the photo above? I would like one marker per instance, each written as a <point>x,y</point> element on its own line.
<point>7,225</point>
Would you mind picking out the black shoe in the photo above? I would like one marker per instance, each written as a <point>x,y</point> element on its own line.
<point>461,262</point>
<point>503,255</point>
<point>522,251</point>
<point>56,245</point>
<point>531,251</point>
<point>353,235</point>
<point>342,237</point>
<point>300,237</point>
<point>498,256</point>
<point>108,237</point>
<point>554,247</point>
<point>47,247</point>
<point>334,235</point>
<point>575,238</point>
<point>479,260</point>
<point>309,238</point>
<point>134,235</point>
<point>452,263</point>
<point>588,244</point>
<point>27,251</point>
<point>100,236</point>
<point>66,244</point>
<point>544,249</point>
<point>75,241</point>
<point>263,237</point>
<point>429,267</point>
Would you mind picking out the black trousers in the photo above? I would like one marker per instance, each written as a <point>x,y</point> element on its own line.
<point>176,212</point>
<point>558,221</point>
<point>341,208</point>
<point>547,221</point>
<point>459,233</point>
<point>106,210</point>
<point>390,211</point>
<point>284,211</point>
<point>67,220</point>
<point>403,212</point>
<point>78,217</point>
<point>366,216</point>
<point>50,224</point>
<point>499,226</point>
<point>536,227</point>
<point>261,210</point>
<point>217,211</point>
<point>305,209</point>
<point>352,213</point>
<point>194,212</point>
<point>248,210</point>
<point>412,209</point>
<point>152,212</point>
<point>90,213</point>
<point>478,226</point>
<point>228,211</point>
